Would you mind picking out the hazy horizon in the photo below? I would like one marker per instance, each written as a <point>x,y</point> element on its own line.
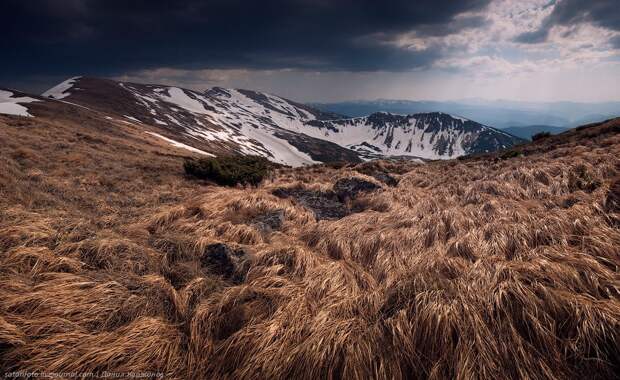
<point>37,90</point>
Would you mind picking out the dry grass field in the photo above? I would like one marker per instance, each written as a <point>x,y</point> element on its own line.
<point>502,266</point>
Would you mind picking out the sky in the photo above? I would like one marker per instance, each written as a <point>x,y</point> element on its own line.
<point>323,50</point>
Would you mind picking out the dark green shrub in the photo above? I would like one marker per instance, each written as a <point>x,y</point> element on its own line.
<point>510,154</point>
<point>336,164</point>
<point>230,170</point>
<point>540,136</point>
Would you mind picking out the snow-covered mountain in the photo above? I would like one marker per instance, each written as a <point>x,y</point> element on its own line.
<point>217,121</point>
<point>433,135</point>
<point>247,122</point>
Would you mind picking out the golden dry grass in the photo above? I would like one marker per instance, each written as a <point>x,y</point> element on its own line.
<point>468,269</point>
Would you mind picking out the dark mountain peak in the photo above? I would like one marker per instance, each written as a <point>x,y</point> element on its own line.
<point>385,117</point>
<point>217,91</point>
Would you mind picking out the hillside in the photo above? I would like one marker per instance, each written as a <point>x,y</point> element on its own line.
<point>498,265</point>
<point>218,121</point>
<point>224,121</point>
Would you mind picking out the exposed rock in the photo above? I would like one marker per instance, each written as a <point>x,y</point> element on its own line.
<point>569,202</point>
<point>382,171</point>
<point>329,204</point>
<point>269,221</point>
<point>324,205</point>
<point>349,188</point>
<point>221,259</point>
<point>385,178</point>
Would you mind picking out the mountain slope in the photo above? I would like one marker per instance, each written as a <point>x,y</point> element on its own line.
<point>250,122</point>
<point>216,121</point>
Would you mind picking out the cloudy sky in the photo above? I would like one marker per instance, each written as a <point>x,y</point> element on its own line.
<point>323,50</point>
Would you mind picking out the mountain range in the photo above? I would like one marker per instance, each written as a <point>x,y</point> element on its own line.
<point>235,121</point>
<point>497,113</point>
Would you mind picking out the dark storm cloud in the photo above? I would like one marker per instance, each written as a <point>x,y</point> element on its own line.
<point>603,13</point>
<point>107,37</point>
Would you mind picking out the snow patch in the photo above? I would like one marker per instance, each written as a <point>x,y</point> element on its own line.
<point>180,98</point>
<point>11,106</point>
<point>459,118</point>
<point>60,91</point>
<point>77,105</point>
<point>180,145</point>
<point>132,118</point>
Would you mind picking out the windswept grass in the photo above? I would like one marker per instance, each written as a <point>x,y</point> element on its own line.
<point>480,268</point>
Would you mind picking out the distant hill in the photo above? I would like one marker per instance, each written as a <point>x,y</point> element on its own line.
<point>498,114</point>
<point>526,132</point>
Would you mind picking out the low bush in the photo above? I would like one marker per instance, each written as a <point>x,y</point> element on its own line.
<point>540,136</point>
<point>510,154</point>
<point>230,170</point>
<point>337,164</point>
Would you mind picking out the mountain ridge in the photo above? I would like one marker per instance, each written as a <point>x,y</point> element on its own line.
<point>240,121</point>
<point>498,113</point>
<point>450,136</point>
